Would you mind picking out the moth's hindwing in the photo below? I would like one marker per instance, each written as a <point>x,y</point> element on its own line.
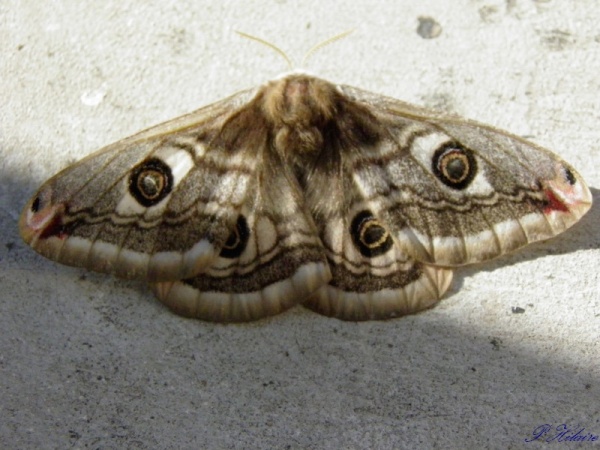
<point>372,278</point>
<point>272,260</point>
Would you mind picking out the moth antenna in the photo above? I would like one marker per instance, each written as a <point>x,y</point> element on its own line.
<point>271,46</point>
<point>337,37</point>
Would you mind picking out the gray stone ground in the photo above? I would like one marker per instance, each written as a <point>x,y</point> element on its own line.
<point>89,361</point>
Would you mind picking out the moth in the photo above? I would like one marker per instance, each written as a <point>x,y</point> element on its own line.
<point>302,191</point>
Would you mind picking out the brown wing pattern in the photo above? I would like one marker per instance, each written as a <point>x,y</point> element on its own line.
<point>303,191</point>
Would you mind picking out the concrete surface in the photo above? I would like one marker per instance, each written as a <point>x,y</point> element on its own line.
<point>89,361</point>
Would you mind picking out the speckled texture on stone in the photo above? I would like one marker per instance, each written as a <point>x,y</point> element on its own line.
<point>89,361</point>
